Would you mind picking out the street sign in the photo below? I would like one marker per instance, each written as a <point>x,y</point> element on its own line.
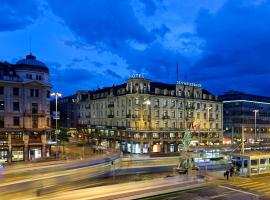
<point>56,115</point>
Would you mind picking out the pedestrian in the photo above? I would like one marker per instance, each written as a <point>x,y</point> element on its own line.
<point>231,171</point>
<point>227,174</point>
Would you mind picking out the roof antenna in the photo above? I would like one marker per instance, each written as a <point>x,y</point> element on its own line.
<point>176,71</point>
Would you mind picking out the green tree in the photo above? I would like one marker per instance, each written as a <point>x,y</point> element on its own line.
<point>63,137</point>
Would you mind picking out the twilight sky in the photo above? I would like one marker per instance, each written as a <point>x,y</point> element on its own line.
<point>222,44</point>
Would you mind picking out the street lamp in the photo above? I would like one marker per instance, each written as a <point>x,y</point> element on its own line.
<point>208,116</point>
<point>255,122</point>
<point>148,103</point>
<point>56,94</point>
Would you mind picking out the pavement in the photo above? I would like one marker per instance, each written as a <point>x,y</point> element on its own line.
<point>132,190</point>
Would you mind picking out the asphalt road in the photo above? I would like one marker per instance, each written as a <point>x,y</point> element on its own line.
<point>208,192</point>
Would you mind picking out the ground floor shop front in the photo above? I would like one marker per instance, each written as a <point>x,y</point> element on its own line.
<point>23,146</point>
<point>144,142</point>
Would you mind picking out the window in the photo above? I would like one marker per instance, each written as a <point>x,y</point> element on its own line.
<point>16,91</point>
<point>16,121</point>
<point>137,101</point>
<point>29,76</point>
<point>16,106</point>
<point>48,122</point>
<point>38,77</point>
<point>1,90</point>
<point>180,115</point>
<point>198,106</point>
<point>156,135</point>
<point>2,122</point>
<point>34,108</point>
<point>34,93</point>
<point>157,113</point>
<point>35,122</point>
<point>157,102</point>
<point>2,105</point>
<point>48,94</point>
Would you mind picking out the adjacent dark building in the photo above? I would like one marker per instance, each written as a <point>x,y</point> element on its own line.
<point>247,111</point>
<point>67,106</point>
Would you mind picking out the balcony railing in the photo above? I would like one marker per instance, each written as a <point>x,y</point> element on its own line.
<point>190,108</point>
<point>165,117</point>
<point>111,105</point>
<point>34,140</point>
<point>34,112</point>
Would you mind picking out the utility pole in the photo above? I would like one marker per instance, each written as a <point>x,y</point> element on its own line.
<point>243,142</point>
<point>208,115</point>
<point>255,123</point>
<point>232,134</point>
<point>56,94</point>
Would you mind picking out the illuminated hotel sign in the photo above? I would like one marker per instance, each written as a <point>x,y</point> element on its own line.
<point>188,84</point>
<point>136,76</point>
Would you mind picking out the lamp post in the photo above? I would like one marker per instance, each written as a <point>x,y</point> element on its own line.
<point>208,116</point>
<point>255,122</point>
<point>56,94</point>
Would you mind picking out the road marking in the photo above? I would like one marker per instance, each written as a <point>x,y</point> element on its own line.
<point>265,189</point>
<point>246,184</point>
<point>253,185</point>
<point>239,190</point>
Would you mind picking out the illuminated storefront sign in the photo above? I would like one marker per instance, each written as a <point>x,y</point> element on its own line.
<point>188,84</point>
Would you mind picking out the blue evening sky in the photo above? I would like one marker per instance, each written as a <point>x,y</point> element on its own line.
<point>222,44</point>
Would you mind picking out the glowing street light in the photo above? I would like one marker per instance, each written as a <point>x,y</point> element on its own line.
<point>208,115</point>
<point>56,94</point>
<point>255,122</point>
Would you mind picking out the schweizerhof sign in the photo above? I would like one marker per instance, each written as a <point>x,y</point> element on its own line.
<point>188,84</point>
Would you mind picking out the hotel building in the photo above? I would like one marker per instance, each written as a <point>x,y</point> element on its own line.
<point>24,110</point>
<point>141,116</point>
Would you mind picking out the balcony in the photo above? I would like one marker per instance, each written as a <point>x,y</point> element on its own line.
<point>136,116</point>
<point>165,117</point>
<point>211,119</point>
<point>146,117</point>
<point>34,139</point>
<point>34,112</point>
<point>110,116</point>
<point>190,108</point>
<point>110,105</point>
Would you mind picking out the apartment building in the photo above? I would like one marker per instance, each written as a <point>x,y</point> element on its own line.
<point>24,110</point>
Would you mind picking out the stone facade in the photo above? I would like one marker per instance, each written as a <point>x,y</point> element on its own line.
<point>142,116</point>
<point>24,110</point>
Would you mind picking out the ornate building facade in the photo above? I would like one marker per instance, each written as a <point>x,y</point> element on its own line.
<point>141,116</point>
<point>24,110</point>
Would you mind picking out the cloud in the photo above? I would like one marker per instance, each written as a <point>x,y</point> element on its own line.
<point>115,28</point>
<point>237,44</point>
<point>102,21</point>
<point>161,31</point>
<point>18,14</point>
<point>112,74</point>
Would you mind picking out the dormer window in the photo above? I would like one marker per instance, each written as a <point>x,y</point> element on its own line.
<point>38,77</point>
<point>29,76</point>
